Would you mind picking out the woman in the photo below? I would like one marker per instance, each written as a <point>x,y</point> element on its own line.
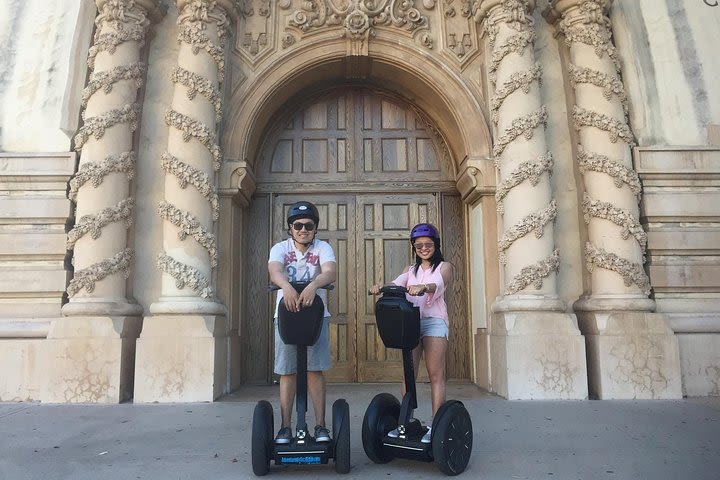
<point>426,282</point>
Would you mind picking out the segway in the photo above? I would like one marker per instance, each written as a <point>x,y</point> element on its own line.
<point>398,323</point>
<point>302,329</point>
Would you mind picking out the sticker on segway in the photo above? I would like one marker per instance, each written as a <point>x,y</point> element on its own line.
<point>301,460</point>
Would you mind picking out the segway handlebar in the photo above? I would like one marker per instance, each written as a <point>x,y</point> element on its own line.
<point>394,289</point>
<point>299,286</point>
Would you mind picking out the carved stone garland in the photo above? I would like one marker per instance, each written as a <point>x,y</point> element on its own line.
<point>202,31</point>
<point>109,105</point>
<point>588,26</point>
<point>513,71</point>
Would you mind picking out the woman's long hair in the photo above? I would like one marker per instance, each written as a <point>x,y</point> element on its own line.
<point>435,260</point>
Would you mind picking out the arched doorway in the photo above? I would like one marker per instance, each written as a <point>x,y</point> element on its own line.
<point>374,165</point>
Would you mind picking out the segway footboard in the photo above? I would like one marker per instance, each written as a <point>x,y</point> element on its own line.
<point>303,453</point>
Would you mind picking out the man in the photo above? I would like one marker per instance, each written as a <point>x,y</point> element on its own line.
<point>301,258</point>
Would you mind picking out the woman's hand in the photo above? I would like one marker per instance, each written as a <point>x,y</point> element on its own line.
<point>375,289</point>
<point>416,290</point>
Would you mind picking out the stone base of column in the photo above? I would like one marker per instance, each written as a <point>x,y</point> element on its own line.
<point>90,359</point>
<point>631,355</point>
<point>181,358</point>
<point>700,364</point>
<point>537,356</point>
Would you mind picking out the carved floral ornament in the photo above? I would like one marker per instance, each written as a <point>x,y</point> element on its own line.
<point>631,272</point>
<point>531,170</point>
<point>185,275</point>
<point>118,13</point>
<point>358,17</point>
<point>622,218</point>
<point>95,172</point>
<point>87,277</point>
<point>534,274</point>
<point>93,224</point>
<point>585,21</point>
<point>189,225</point>
<point>535,222</point>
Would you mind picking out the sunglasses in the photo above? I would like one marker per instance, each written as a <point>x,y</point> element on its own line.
<point>309,226</point>
<point>420,246</point>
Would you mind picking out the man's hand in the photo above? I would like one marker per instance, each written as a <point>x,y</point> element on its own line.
<point>307,296</point>
<point>291,299</point>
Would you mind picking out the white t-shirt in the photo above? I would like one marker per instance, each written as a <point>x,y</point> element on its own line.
<point>302,267</point>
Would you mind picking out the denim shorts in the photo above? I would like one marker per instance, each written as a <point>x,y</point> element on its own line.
<point>318,355</point>
<point>434,327</point>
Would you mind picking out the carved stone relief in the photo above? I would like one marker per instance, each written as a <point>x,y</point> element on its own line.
<point>358,18</point>
<point>458,30</point>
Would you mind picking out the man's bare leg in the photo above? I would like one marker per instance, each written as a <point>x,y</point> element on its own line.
<point>287,395</point>
<point>316,388</point>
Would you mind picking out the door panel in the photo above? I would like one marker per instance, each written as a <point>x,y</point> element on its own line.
<point>383,233</point>
<point>337,223</point>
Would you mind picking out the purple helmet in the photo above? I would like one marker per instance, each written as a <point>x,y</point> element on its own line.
<point>423,230</point>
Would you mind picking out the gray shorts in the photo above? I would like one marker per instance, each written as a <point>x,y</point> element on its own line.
<point>434,327</point>
<point>318,355</point>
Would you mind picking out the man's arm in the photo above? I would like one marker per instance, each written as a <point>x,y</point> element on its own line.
<point>279,277</point>
<point>328,275</point>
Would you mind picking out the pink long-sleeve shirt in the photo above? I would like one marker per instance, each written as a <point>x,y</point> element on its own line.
<point>430,304</point>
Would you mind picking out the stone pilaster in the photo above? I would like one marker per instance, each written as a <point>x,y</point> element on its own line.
<point>632,352</point>
<point>91,349</point>
<point>183,346</point>
<point>534,355</point>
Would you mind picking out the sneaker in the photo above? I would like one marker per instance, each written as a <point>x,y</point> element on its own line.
<point>393,433</point>
<point>321,434</point>
<point>284,436</point>
<point>428,436</point>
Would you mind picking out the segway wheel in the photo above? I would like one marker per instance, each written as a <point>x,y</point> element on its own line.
<point>381,416</point>
<point>262,437</point>
<point>452,438</point>
<point>341,436</point>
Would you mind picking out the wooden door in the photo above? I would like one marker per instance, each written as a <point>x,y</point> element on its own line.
<point>375,167</point>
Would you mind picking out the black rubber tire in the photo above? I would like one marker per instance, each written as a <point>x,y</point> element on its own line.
<point>262,437</point>
<point>380,417</point>
<point>342,442</point>
<point>452,438</point>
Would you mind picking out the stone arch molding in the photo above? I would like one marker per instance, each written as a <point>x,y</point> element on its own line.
<point>450,97</point>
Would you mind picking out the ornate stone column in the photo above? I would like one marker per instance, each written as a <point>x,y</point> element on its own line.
<point>536,347</point>
<point>632,353</point>
<point>182,348</point>
<point>92,348</point>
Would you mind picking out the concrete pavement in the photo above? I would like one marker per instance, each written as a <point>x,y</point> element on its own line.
<point>512,439</point>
